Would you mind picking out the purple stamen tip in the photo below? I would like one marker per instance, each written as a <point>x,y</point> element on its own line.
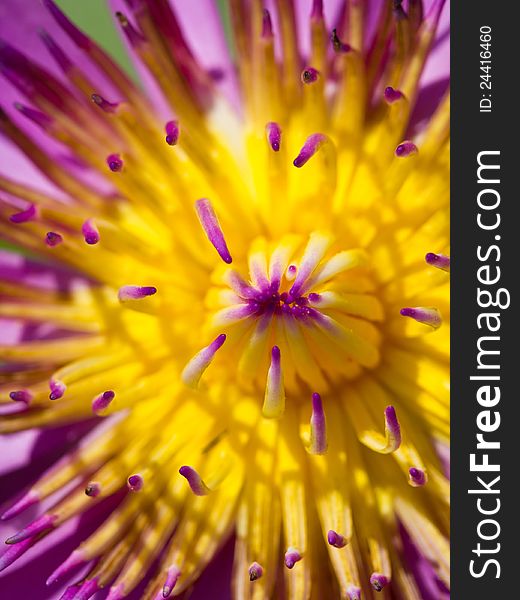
<point>267,26</point>
<point>34,115</point>
<point>310,75</point>
<point>24,396</point>
<point>427,316</point>
<point>37,526</point>
<point>76,559</point>
<point>29,499</point>
<point>135,292</point>
<point>13,553</point>
<point>57,389</point>
<point>353,592</point>
<point>392,95</point>
<point>378,581</point>
<point>197,485</point>
<point>292,556</point>
<point>172,132</point>
<point>208,220</point>
<point>31,213</point>
<point>339,46</point>
<point>255,571</point>
<point>312,144</point>
<point>90,232</point>
<point>172,575</point>
<point>417,477</point>
<point>391,417</point>
<point>132,35</point>
<point>314,298</point>
<point>115,163</point>
<point>135,482</point>
<point>93,489</point>
<point>200,362</point>
<point>275,355</point>
<point>318,443</point>
<point>441,261</point>
<point>336,539</point>
<point>406,149</point>
<point>392,430</point>
<point>105,105</point>
<point>53,239</point>
<point>101,402</point>
<point>274,135</point>
<point>218,341</point>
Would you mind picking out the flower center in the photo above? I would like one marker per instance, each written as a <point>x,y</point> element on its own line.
<point>277,303</point>
<point>304,306</point>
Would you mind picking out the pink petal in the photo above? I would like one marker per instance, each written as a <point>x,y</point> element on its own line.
<point>20,21</point>
<point>437,66</point>
<point>204,31</point>
<point>206,38</point>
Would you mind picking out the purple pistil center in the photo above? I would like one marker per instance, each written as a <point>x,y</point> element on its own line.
<point>274,302</point>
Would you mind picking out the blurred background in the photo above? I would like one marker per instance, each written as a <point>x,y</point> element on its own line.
<point>95,18</point>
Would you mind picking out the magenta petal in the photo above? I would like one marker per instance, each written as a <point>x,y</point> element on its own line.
<point>17,450</point>
<point>15,268</point>
<point>215,581</point>
<point>428,100</point>
<point>207,41</point>
<point>32,450</point>
<point>435,78</point>
<point>437,66</point>
<point>430,587</point>
<point>13,159</point>
<point>20,23</point>
<point>34,567</point>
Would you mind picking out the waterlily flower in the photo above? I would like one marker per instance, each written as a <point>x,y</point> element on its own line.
<point>225,322</point>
